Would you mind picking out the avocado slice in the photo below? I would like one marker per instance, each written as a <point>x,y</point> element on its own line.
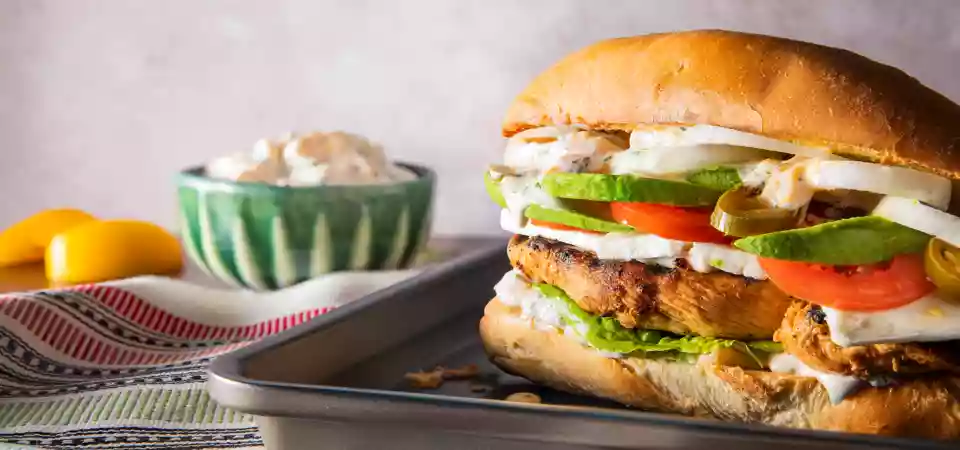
<point>846,242</point>
<point>493,190</point>
<point>719,178</point>
<point>628,188</point>
<point>575,219</point>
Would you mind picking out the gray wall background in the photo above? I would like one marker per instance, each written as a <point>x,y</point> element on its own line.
<point>103,101</point>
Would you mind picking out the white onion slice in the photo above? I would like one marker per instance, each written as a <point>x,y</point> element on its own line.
<point>670,160</point>
<point>896,181</point>
<point>681,136</point>
<point>911,213</point>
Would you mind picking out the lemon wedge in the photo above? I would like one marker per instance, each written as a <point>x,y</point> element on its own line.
<point>111,249</point>
<point>26,241</point>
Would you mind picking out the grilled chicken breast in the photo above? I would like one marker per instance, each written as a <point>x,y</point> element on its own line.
<point>679,300</point>
<point>806,335</point>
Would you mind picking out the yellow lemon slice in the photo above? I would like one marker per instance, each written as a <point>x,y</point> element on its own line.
<point>111,249</point>
<point>26,241</point>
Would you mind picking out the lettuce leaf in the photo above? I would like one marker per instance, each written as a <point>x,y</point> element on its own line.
<point>766,346</point>
<point>606,333</point>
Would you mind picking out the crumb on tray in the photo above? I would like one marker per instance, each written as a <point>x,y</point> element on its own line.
<point>433,379</point>
<point>523,397</point>
<point>462,373</point>
<point>480,388</point>
<point>425,380</point>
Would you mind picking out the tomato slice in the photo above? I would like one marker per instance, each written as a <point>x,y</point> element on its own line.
<point>874,287</point>
<point>560,226</point>
<point>672,222</point>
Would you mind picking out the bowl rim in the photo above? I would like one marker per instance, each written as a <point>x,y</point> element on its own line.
<point>195,175</point>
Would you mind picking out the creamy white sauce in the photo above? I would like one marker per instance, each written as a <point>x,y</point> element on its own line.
<point>514,290</point>
<point>756,174</point>
<point>541,311</point>
<point>838,386</point>
<point>311,159</point>
<point>786,187</point>
<point>519,192</point>
<point>929,319</point>
<point>704,257</point>
<point>560,149</point>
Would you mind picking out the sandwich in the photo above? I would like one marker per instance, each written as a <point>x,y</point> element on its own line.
<point>735,226</point>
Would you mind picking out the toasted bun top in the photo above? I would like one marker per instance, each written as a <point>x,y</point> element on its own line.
<point>784,89</point>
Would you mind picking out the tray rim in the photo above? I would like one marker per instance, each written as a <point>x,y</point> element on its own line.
<point>228,386</point>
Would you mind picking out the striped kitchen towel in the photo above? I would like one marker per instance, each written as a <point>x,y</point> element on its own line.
<point>122,364</point>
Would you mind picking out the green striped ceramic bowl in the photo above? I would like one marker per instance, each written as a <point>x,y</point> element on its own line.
<point>267,237</point>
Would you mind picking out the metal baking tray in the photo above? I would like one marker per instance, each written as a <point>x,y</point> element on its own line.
<point>337,382</point>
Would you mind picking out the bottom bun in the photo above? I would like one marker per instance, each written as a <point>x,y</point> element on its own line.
<point>926,407</point>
